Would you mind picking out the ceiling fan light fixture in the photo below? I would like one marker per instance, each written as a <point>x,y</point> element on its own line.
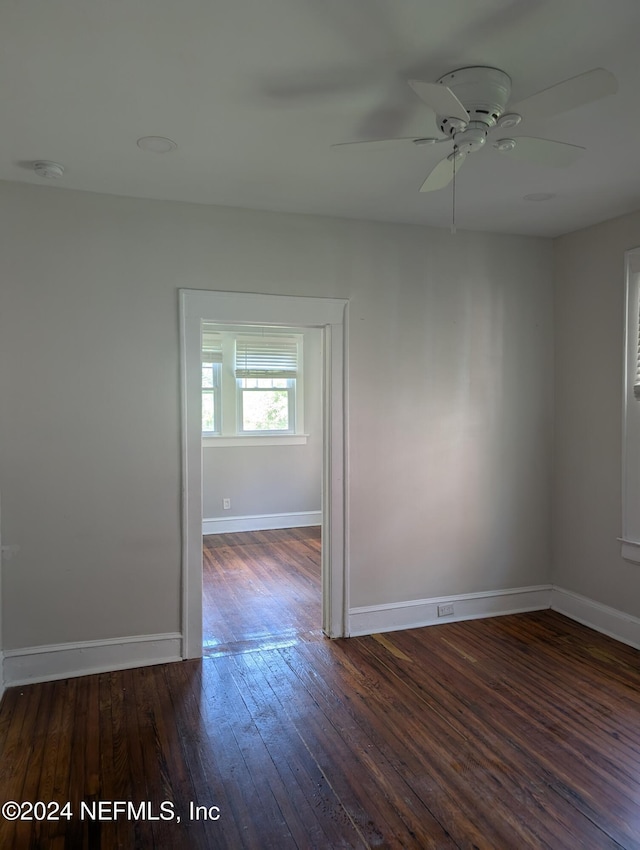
<point>504,144</point>
<point>511,119</point>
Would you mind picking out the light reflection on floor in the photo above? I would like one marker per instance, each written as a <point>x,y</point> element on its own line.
<point>214,649</point>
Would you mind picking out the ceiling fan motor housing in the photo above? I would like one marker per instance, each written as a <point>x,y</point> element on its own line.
<point>472,138</point>
<point>484,93</point>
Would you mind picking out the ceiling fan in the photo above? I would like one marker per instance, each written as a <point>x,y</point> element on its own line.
<point>472,103</point>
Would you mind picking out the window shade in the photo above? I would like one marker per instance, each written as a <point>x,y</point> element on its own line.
<point>211,346</point>
<point>266,357</point>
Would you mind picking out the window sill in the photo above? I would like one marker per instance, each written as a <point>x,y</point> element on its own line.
<point>630,550</point>
<point>255,440</point>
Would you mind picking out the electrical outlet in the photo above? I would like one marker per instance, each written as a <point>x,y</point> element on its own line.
<point>226,504</point>
<point>445,610</point>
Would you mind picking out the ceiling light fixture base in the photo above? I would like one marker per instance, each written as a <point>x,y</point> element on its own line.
<point>156,144</point>
<point>47,169</point>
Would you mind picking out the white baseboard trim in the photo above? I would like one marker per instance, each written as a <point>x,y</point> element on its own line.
<point>261,522</point>
<point>63,660</point>
<point>372,619</point>
<point>602,618</point>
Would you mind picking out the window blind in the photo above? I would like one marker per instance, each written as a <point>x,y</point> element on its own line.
<point>211,346</point>
<point>266,357</point>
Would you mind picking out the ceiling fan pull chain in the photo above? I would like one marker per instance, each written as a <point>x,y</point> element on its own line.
<point>453,206</point>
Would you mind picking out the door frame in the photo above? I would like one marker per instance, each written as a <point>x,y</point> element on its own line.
<point>244,308</point>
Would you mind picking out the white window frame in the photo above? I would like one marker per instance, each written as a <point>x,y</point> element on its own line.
<point>215,391</point>
<point>290,389</point>
<point>630,539</point>
<point>230,404</point>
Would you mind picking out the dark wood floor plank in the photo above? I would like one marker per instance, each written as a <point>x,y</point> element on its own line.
<point>485,709</point>
<point>398,810</point>
<point>284,817</point>
<point>518,719</point>
<point>515,733</point>
<point>111,766</point>
<point>427,753</point>
<point>261,586</point>
<point>32,736</point>
<point>294,804</point>
<point>252,803</point>
<point>202,753</point>
<point>477,765</point>
<point>316,798</point>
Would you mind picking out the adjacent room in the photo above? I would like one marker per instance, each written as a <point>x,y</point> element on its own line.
<point>262,437</point>
<point>320,424</point>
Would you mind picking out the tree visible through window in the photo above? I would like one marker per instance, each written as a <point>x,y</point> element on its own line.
<point>266,372</point>
<point>251,382</point>
<point>266,404</point>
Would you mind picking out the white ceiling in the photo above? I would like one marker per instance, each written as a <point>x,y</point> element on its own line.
<point>254,92</point>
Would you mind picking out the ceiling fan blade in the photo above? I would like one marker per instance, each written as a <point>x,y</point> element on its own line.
<point>442,174</point>
<point>544,151</point>
<point>585,88</point>
<point>387,144</point>
<point>440,98</point>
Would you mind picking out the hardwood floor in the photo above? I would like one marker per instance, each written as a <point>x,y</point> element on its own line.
<point>261,589</point>
<point>501,734</point>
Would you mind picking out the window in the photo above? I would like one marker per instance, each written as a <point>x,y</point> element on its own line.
<point>630,539</point>
<point>211,369</point>
<point>251,385</point>
<point>266,374</point>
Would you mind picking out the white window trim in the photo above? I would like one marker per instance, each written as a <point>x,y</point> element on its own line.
<point>220,441</point>
<point>630,537</point>
<point>215,391</point>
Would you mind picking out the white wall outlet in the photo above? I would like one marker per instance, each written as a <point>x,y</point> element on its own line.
<point>445,610</point>
<point>226,504</point>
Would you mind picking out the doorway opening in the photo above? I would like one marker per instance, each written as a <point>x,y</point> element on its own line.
<point>246,309</point>
<point>262,441</point>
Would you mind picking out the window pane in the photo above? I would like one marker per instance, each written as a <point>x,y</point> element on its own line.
<point>207,411</point>
<point>207,374</point>
<point>265,383</point>
<point>265,410</point>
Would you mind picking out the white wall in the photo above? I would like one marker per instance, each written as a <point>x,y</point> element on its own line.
<point>264,480</point>
<point>450,400</point>
<point>589,309</point>
<point>1,640</point>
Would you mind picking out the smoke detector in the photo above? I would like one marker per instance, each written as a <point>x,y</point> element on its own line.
<point>47,169</point>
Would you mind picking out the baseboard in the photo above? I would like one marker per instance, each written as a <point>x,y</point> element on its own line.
<point>602,618</point>
<point>467,606</point>
<point>261,522</point>
<point>63,660</point>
